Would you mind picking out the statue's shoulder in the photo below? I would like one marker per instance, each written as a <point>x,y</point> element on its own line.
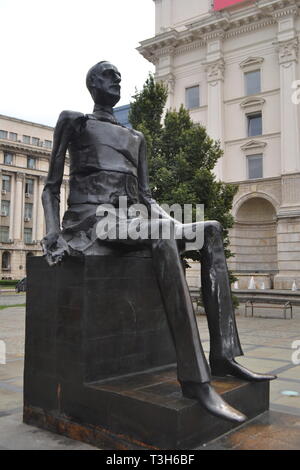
<point>138,134</point>
<point>70,119</point>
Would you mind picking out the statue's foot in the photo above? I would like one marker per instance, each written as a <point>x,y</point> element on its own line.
<point>224,366</point>
<point>206,395</point>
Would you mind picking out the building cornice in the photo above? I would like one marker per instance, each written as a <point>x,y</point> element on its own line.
<point>218,25</point>
<point>18,147</point>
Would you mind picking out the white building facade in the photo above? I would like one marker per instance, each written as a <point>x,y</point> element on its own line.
<point>236,70</point>
<point>25,150</point>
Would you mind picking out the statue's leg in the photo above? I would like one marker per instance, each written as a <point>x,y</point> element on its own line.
<point>216,292</point>
<point>193,370</point>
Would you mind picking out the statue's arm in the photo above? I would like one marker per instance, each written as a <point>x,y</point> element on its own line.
<point>54,246</point>
<point>144,190</point>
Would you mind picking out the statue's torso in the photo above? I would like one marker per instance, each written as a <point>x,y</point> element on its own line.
<point>103,164</point>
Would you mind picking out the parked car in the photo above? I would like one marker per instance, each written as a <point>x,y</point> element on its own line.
<point>21,285</point>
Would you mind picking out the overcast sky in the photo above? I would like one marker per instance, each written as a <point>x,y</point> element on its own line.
<point>47,46</point>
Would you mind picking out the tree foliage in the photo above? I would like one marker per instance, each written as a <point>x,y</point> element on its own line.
<point>181,157</point>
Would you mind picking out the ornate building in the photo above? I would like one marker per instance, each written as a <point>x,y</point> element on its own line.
<point>235,66</point>
<point>25,150</point>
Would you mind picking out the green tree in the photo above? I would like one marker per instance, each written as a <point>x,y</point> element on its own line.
<point>181,158</point>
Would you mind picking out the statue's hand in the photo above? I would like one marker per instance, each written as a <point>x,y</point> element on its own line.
<point>55,248</point>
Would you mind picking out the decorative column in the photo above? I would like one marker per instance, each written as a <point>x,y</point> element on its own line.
<point>215,97</point>
<point>19,207</point>
<point>40,211</point>
<point>288,226</point>
<point>12,206</point>
<point>290,155</point>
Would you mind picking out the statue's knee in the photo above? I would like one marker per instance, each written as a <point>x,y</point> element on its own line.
<point>213,226</point>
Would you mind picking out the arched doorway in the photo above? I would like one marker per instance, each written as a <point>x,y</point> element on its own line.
<point>254,238</point>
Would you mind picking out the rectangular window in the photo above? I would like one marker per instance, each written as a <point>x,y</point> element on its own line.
<point>28,211</point>
<point>13,136</point>
<point>26,139</point>
<point>8,158</point>
<point>3,134</point>
<point>29,186</point>
<point>4,234</point>
<point>27,235</point>
<point>252,82</point>
<point>192,97</point>
<point>6,183</point>
<point>31,163</point>
<point>35,141</point>
<point>5,205</point>
<point>48,144</point>
<point>255,166</point>
<point>254,124</point>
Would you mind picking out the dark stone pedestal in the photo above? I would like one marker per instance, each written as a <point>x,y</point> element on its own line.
<point>99,359</point>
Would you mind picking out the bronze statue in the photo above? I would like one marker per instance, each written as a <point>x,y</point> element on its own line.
<point>108,161</point>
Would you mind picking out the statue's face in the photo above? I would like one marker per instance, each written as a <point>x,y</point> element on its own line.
<point>106,85</point>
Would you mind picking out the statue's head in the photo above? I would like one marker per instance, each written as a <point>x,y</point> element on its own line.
<point>103,82</point>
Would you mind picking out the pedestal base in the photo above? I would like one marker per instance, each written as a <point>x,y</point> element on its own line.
<point>147,411</point>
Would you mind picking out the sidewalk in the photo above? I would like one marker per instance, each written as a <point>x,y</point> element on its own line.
<point>266,343</point>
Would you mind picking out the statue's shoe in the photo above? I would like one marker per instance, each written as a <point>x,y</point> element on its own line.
<point>206,395</point>
<point>223,367</point>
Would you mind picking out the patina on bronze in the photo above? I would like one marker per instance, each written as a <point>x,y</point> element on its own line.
<point>108,161</point>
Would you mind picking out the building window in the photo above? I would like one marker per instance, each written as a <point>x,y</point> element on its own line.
<point>13,136</point>
<point>8,158</point>
<point>192,97</point>
<point>28,211</point>
<point>5,184</point>
<point>252,82</point>
<point>48,144</point>
<point>31,163</point>
<point>5,205</point>
<point>4,234</point>
<point>254,124</point>
<point>29,186</point>
<point>27,235</point>
<point>3,134</point>
<point>5,264</point>
<point>26,139</point>
<point>255,166</point>
<point>35,141</point>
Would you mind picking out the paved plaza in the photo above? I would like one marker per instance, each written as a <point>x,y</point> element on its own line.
<point>267,344</point>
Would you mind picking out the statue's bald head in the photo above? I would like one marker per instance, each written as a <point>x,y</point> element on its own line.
<point>103,83</point>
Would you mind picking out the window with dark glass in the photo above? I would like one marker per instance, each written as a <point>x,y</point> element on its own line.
<point>31,163</point>
<point>252,82</point>
<point>5,263</point>
<point>13,136</point>
<point>26,139</point>
<point>192,97</point>
<point>4,234</point>
<point>27,235</point>
<point>255,166</point>
<point>6,183</point>
<point>254,124</point>
<point>8,158</point>
<point>28,211</point>
<point>35,141</point>
<point>5,205</point>
<point>3,134</point>
<point>29,186</point>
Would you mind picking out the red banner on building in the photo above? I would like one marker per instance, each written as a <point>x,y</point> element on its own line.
<point>220,4</point>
